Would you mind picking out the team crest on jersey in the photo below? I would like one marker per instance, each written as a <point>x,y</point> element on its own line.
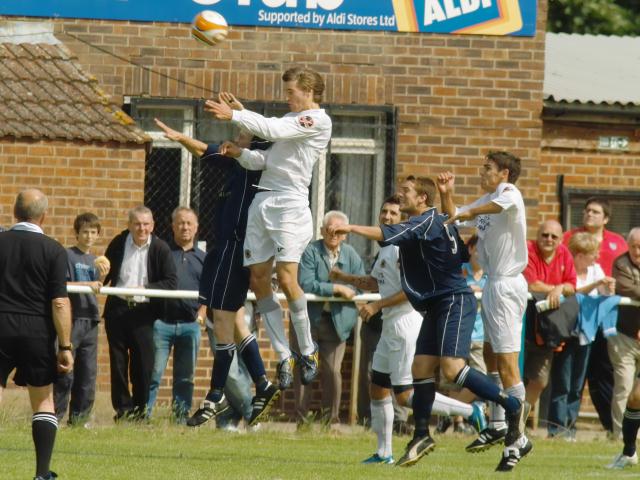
<point>247,253</point>
<point>483,222</point>
<point>305,121</point>
<point>613,246</point>
<point>383,263</point>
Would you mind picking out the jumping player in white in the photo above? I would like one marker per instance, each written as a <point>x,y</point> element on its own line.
<point>395,351</point>
<point>500,218</point>
<point>279,224</point>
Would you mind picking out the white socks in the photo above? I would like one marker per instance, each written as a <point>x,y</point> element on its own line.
<point>382,424</point>
<point>270,309</point>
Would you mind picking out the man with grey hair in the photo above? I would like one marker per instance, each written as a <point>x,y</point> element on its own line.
<point>178,328</point>
<point>34,309</point>
<point>138,259</point>
<point>331,322</point>
<point>624,348</point>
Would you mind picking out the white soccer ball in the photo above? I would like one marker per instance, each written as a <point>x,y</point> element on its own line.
<point>209,27</point>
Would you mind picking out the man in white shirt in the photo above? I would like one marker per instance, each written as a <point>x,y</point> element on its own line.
<point>500,218</point>
<point>138,260</point>
<point>279,224</point>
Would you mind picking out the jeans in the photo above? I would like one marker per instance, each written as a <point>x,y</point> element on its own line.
<point>185,340</point>
<point>238,389</point>
<point>568,372</point>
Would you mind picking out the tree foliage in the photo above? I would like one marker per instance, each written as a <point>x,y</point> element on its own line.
<point>604,17</point>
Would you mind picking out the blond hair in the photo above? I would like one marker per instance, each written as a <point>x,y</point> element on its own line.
<point>583,242</point>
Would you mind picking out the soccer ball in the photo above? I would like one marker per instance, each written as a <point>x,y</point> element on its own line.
<point>209,27</point>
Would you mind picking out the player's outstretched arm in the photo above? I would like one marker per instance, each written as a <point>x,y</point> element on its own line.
<point>372,233</point>
<point>361,282</point>
<point>466,215</point>
<point>195,147</point>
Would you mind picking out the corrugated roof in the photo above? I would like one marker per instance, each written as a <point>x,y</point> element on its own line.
<point>592,69</point>
<point>44,93</point>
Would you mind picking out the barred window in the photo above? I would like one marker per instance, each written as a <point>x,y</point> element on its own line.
<point>624,212</point>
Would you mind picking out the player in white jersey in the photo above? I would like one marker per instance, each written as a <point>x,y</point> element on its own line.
<point>500,219</point>
<point>394,353</point>
<point>279,224</point>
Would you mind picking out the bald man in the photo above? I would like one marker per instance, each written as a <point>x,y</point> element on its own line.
<point>34,310</point>
<point>550,271</point>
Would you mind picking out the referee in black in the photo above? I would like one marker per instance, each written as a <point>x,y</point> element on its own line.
<point>34,310</point>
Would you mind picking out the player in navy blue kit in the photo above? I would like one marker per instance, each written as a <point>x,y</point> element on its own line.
<point>225,282</point>
<point>431,257</point>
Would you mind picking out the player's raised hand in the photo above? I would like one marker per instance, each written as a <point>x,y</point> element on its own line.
<point>220,110</point>
<point>338,229</point>
<point>230,149</point>
<point>445,182</point>
<point>230,100</point>
<point>169,132</point>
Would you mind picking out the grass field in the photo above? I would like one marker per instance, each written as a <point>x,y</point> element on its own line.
<point>165,451</point>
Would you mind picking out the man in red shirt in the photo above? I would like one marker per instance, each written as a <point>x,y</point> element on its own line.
<point>550,270</point>
<point>597,213</point>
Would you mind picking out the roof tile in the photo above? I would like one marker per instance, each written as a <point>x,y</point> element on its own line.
<point>44,93</point>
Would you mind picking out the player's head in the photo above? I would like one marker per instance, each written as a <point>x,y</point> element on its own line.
<point>184,223</point>
<point>31,206</point>
<point>390,211</point>
<point>549,237</point>
<point>584,248</point>
<point>87,228</point>
<point>416,194</point>
<point>596,214</point>
<point>333,218</point>
<point>303,88</point>
<point>499,167</point>
<point>140,224</point>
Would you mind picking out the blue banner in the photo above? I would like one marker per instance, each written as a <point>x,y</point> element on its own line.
<point>486,17</point>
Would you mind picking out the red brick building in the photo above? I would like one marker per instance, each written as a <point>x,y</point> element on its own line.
<point>401,103</point>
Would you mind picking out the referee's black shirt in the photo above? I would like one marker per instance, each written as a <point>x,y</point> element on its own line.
<point>33,272</point>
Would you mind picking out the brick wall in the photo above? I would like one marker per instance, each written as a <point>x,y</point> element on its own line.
<point>572,150</point>
<point>457,96</point>
<point>105,178</point>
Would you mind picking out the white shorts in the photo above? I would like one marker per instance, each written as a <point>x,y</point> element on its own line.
<point>397,347</point>
<point>278,225</point>
<point>504,301</point>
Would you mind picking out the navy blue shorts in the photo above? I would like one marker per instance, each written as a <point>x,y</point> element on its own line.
<point>447,326</point>
<point>224,282</point>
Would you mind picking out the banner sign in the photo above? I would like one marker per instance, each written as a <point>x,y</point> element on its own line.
<point>483,17</point>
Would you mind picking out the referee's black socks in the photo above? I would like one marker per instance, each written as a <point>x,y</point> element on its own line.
<point>44,426</point>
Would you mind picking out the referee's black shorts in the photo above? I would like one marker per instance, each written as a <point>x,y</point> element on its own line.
<point>27,343</point>
<point>225,281</point>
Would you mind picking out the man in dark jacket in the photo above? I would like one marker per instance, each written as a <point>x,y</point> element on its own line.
<point>138,260</point>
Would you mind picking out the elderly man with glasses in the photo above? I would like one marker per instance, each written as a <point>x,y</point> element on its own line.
<point>550,271</point>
